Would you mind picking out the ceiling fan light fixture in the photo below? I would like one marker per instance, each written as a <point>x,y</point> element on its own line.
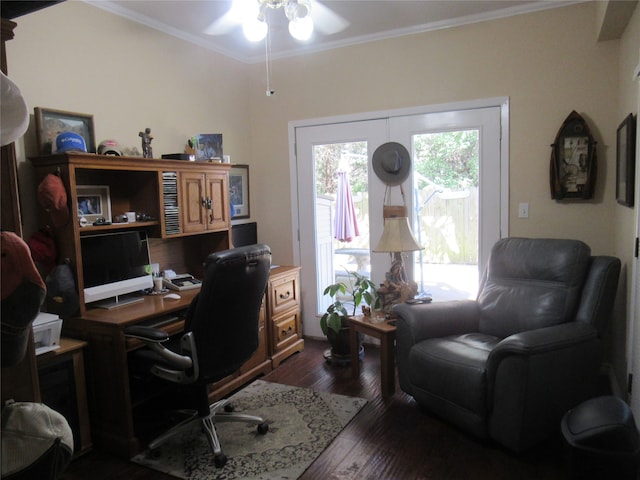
<point>295,9</point>
<point>254,29</point>
<point>301,28</point>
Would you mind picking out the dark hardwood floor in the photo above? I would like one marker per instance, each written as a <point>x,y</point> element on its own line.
<point>389,439</point>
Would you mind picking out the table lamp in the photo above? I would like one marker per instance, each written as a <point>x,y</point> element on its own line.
<point>396,239</point>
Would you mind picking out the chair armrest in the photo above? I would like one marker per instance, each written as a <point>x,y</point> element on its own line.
<point>437,319</point>
<point>146,334</point>
<point>534,377</point>
<point>153,337</point>
<point>550,345</point>
<point>544,340</point>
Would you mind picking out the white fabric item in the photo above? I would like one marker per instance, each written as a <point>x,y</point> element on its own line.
<point>29,430</point>
<point>14,117</point>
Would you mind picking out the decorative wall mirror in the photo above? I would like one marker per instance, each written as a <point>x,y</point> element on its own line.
<point>573,160</point>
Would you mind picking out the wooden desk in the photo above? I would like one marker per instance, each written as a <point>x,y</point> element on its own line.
<point>113,397</point>
<point>109,387</point>
<point>384,330</point>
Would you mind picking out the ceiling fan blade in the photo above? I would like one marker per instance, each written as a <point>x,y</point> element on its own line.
<point>234,17</point>
<point>222,25</point>
<point>326,20</point>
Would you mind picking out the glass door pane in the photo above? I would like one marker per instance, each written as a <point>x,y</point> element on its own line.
<point>322,151</point>
<point>342,214</point>
<point>446,213</point>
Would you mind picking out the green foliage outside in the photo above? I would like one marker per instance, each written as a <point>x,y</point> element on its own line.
<point>327,160</point>
<point>448,159</point>
<point>443,161</point>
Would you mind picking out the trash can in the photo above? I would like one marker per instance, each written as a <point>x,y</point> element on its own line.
<point>601,440</point>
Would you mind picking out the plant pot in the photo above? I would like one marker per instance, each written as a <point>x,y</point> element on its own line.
<point>340,352</point>
<point>340,342</point>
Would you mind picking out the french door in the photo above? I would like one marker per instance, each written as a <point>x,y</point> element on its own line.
<point>323,258</point>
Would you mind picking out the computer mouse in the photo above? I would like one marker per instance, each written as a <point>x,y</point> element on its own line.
<point>172,296</point>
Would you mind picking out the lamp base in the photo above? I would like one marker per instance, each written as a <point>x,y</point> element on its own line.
<point>391,294</point>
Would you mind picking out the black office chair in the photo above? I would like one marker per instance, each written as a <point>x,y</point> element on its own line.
<point>221,333</point>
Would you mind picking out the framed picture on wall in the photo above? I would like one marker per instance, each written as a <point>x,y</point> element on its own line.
<point>49,123</point>
<point>625,161</point>
<point>573,160</point>
<point>239,191</point>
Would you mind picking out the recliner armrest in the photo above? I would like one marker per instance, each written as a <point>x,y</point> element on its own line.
<point>543,340</point>
<point>539,342</point>
<point>437,319</point>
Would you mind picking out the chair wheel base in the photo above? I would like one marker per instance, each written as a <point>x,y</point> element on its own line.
<point>220,460</point>
<point>153,453</point>
<point>229,408</point>
<point>263,428</point>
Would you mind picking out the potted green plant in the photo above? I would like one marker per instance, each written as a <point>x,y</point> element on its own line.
<point>334,323</point>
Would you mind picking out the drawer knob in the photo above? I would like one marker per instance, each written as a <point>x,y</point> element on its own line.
<point>285,296</point>
<point>287,332</point>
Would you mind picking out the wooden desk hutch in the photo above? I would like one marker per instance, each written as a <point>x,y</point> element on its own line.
<point>188,206</point>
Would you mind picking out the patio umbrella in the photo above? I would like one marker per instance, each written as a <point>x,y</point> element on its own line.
<point>345,225</point>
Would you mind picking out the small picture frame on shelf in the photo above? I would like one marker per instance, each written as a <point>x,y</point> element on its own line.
<point>625,161</point>
<point>50,122</point>
<point>94,202</point>
<point>239,191</point>
<point>208,146</point>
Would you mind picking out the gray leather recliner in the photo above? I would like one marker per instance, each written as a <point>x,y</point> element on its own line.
<point>510,364</point>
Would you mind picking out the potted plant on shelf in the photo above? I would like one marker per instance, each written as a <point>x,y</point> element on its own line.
<point>334,323</point>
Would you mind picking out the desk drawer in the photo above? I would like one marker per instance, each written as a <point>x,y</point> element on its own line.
<point>284,294</point>
<point>286,329</point>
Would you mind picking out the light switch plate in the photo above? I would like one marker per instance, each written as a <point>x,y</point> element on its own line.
<point>523,210</point>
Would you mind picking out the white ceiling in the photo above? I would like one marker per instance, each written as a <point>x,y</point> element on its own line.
<point>368,21</point>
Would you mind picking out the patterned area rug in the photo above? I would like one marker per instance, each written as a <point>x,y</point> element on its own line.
<point>302,423</point>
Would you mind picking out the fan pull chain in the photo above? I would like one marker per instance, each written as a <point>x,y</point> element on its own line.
<point>267,48</point>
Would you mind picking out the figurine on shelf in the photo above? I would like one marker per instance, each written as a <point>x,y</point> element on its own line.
<point>147,151</point>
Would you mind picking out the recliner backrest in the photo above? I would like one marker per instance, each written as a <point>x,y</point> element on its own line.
<point>599,291</point>
<point>224,317</point>
<point>531,283</point>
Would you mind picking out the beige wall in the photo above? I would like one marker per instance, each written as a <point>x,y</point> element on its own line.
<point>625,218</point>
<point>78,58</point>
<point>75,57</point>
<point>548,64</point>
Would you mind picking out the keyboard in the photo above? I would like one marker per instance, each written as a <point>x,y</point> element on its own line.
<point>157,322</point>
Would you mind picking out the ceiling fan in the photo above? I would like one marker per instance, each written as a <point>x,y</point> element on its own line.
<point>304,16</point>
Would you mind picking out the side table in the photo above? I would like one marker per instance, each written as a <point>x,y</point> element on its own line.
<point>385,331</point>
<point>63,388</point>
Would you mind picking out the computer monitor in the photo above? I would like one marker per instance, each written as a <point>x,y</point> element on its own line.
<point>244,234</point>
<point>115,265</point>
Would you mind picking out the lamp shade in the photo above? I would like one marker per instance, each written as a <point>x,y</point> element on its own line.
<point>397,236</point>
